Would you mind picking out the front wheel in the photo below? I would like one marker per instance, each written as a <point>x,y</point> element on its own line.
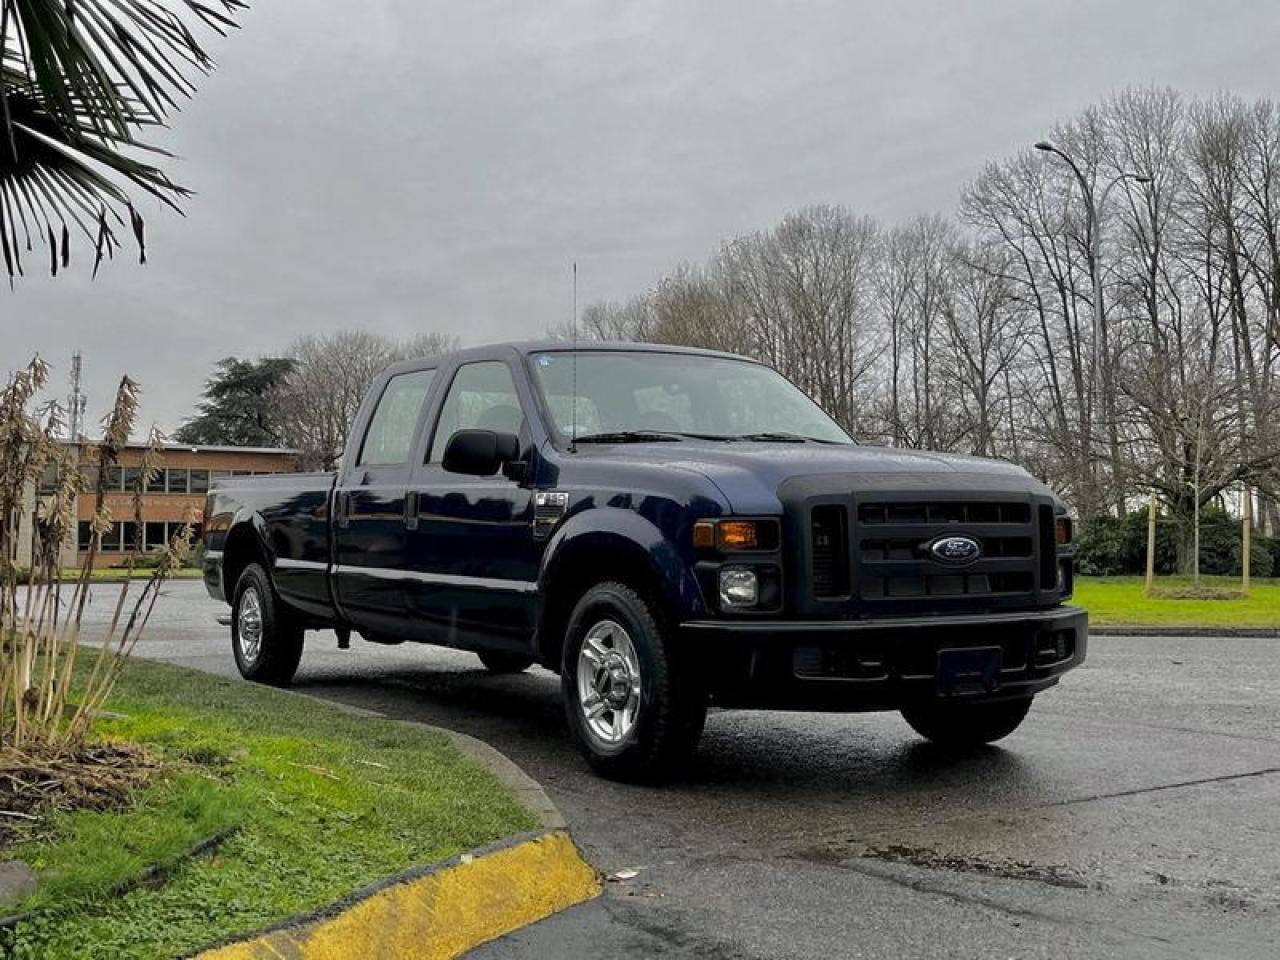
<point>266,641</point>
<point>635,710</point>
<point>958,724</point>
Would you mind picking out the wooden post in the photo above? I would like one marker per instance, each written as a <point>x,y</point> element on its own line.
<point>1247,538</point>
<point>1151,543</point>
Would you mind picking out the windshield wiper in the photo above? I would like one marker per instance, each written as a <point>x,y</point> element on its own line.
<point>629,436</point>
<point>780,438</point>
<point>649,436</point>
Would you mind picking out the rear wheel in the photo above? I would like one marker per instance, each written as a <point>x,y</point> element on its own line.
<point>501,662</point>
<point>635,711</point>
<point>266,640</point>
<point>959,724</point>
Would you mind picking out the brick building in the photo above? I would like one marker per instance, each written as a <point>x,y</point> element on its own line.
<point>176,494</point>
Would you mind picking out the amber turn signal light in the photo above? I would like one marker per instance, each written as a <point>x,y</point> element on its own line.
<point>704,534</point>
<point>729,536</point>
<point>1062,530</point>
<point>737,535</point>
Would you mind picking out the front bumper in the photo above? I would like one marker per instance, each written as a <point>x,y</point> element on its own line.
<point>881,664</point>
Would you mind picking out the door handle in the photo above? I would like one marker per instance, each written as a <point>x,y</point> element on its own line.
<point>342,509</point>
<point>411,510</point>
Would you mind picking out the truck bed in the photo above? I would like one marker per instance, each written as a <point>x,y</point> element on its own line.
<point>294,511</point>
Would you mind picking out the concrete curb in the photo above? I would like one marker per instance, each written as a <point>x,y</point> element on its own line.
<point>445,909</point>
<point>436,912</point>
<point>1175,631</point>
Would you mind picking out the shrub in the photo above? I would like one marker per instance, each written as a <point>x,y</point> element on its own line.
<point>1115,546</point>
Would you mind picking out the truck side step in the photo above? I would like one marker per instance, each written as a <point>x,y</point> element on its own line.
<point>224,619</point>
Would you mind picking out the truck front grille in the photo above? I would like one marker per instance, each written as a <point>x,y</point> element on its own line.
<point>871,553</point>
<point>895,568</point>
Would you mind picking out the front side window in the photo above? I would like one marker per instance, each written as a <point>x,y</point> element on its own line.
<point>481,397</point>
<point>390,433</point>
<point>620,391</point>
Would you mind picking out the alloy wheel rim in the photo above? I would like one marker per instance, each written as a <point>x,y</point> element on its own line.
<point>609,682</point>
<point>249,625</point>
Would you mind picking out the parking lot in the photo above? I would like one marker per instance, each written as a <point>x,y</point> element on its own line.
<point>1135,813</point>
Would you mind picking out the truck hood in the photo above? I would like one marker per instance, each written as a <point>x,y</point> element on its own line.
<point>749,474</point>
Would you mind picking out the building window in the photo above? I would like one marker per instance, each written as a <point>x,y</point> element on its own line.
<point>178,480</point>
<point>111,539</point>
<point>157,536</point>
<point>115,479</point>
<point>132,476</point>
<point>84,535</point>
<point>155,483</point>
<point>199,481</point>
<point>49,480</point>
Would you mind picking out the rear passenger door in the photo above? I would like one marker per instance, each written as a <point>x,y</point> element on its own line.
<point>369,514</point>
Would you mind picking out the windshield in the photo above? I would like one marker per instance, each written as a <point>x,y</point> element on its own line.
<point>647,393</point>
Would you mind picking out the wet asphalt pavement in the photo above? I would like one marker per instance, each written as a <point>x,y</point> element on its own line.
<point>1136,813</point>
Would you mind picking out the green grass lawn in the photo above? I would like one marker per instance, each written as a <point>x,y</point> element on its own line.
<point>314,802</point>
<point>1122,601</point>
<point>139,573</point>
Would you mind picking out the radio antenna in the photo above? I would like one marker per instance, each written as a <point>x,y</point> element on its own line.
<point>573,400</point>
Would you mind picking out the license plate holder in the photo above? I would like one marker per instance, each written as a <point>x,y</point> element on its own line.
<point>968,671</point>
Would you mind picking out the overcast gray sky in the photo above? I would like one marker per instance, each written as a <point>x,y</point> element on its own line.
<point>423,166</point>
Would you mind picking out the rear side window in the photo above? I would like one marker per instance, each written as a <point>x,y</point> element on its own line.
<point>482,397</point>
<point>390,433</point>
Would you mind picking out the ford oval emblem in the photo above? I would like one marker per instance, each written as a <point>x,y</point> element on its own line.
<point>955,551</point>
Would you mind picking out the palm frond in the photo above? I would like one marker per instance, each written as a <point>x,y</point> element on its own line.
<point>79,82</point>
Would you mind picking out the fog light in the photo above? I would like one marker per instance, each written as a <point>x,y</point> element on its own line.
<point>738,587</point>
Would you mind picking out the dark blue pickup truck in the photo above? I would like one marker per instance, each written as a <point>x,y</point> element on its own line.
<point>666,528</point>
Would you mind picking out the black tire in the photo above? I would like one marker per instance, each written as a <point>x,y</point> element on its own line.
<point>275,658</point>
<point>958,724</point>
<point>498,661</point>
<point>670,707</point>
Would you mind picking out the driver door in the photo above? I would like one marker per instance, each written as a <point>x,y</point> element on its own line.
<point>471,549</point>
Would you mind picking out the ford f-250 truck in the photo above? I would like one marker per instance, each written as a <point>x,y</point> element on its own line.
<point>666,528</point>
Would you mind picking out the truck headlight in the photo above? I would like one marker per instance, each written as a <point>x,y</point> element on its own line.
<point>739,587</point>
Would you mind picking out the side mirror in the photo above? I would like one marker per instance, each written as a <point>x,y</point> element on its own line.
<point>480,453</point>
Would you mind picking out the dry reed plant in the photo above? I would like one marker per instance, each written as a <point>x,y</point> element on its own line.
<point>40,620</point>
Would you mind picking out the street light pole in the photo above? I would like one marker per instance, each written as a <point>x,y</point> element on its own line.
<point>1093,224</point>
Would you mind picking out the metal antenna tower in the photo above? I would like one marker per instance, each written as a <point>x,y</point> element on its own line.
<point>76,402</point>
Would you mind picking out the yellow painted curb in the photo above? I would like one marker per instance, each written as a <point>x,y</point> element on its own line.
<point>442,914</point>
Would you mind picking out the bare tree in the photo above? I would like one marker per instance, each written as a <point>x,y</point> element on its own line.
<point>331,375</point>
<point>989,335</point>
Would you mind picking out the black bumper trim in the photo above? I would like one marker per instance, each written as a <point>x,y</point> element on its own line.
<point>753,663</point>
<point>1051,618</point>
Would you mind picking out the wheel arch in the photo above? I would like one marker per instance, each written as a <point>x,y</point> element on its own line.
<point>609,544</point>
<point>245,544</point>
